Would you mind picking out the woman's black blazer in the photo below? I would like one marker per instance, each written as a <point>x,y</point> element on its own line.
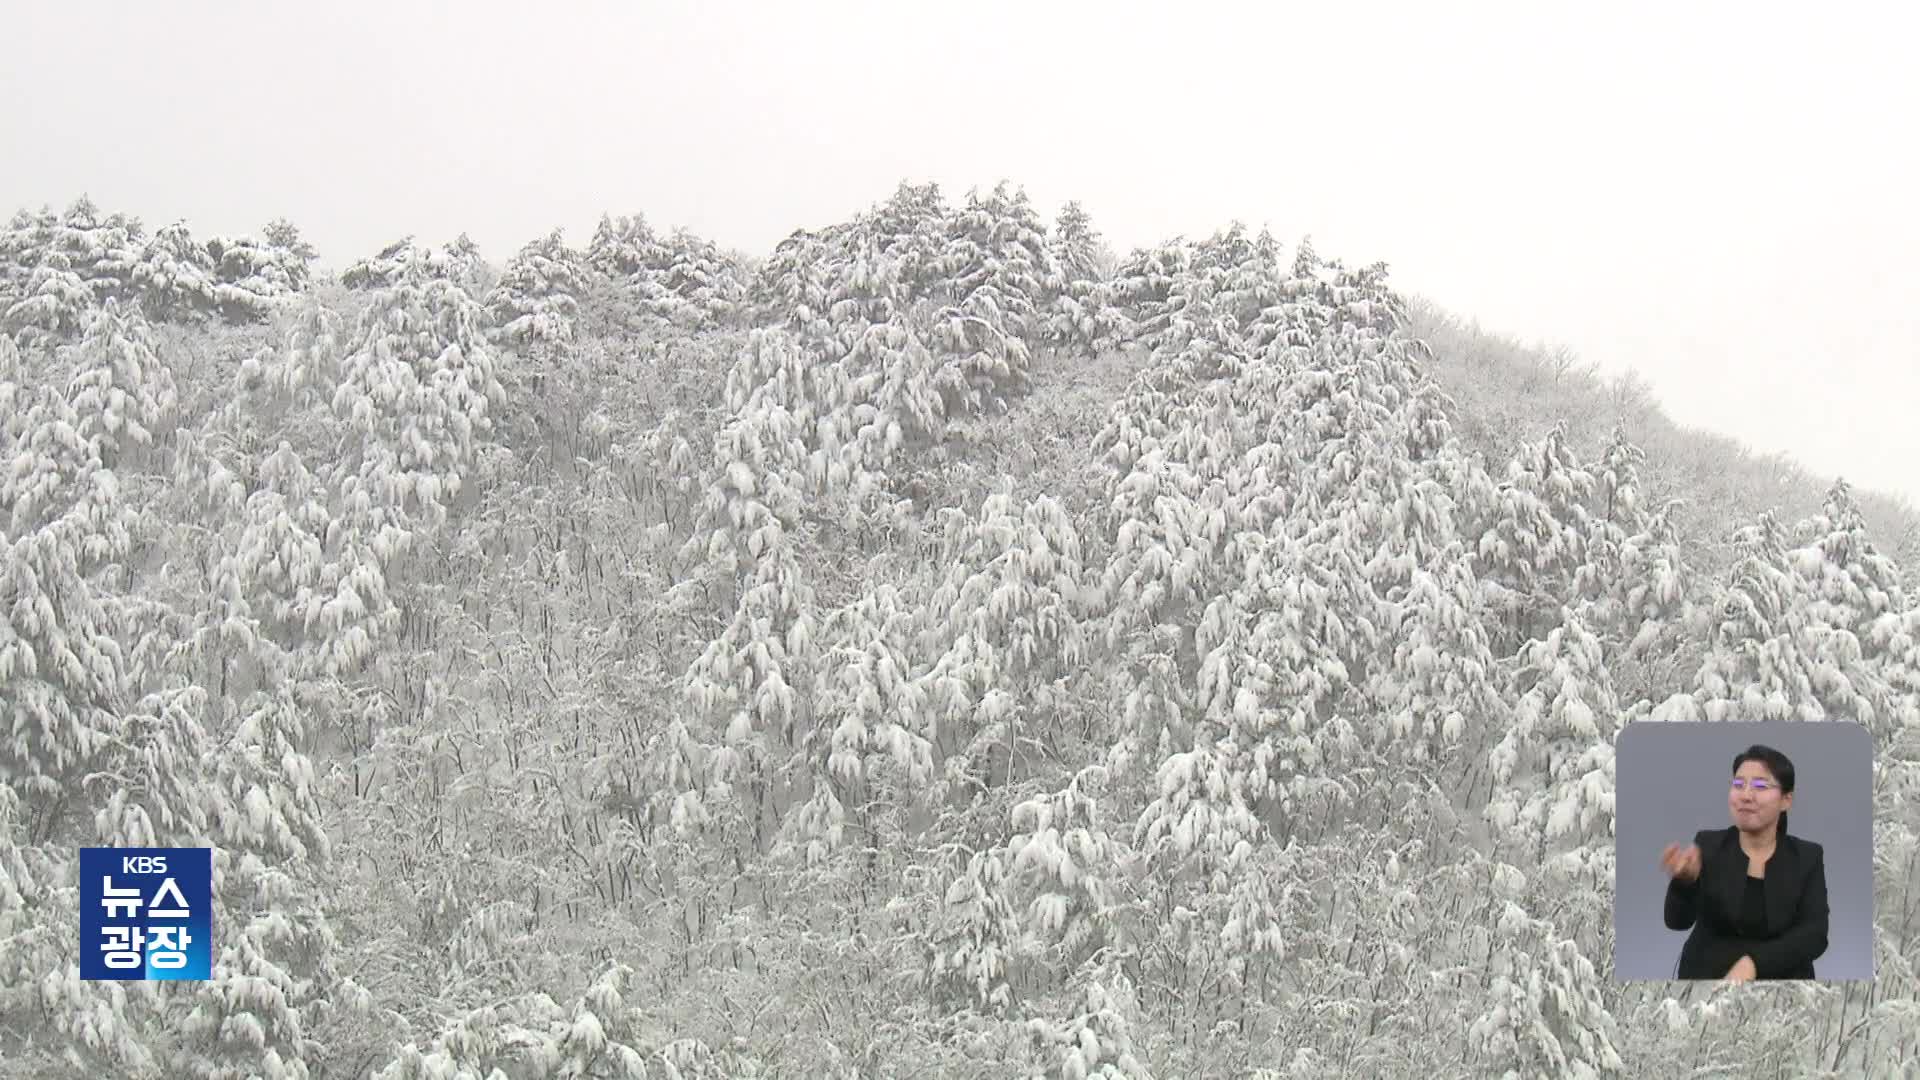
<point>1795,886</point>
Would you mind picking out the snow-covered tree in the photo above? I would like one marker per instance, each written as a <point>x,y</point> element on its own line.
<point>121,388</point>
<point>1655,601</point>
<point>537,299</point>
<point>23,243</point>
<point>1894,638</point>
<point>98,726</point>
<point>63,521</point>
<point>418,388</point>
<point>1082,313</point>
<point>1078,248</point>
<point>382,268</point>
<point>1440,684</point>
<point>1237,277</point>
<point>1532,550</point>
<point>252,278</point>
<point>101,248</point>
<point>55,305</point>
<point>1850,588</point>
<point>746,683</point>
<point>1142,293</point>
<point>598,1037</point>
<point>1204,748</point>
<point>174,279</point>
<point>1543,1013</point>
<point>791,291</point>
<point>1010,605</point>
<point>1553,772</point>
<point>1768,658</point>
<point>626,251</point>
<point>1095,1042</point>
<point>466,266</point>
<point>998,266</point>
<point>1851,584</point>
<point>296,256</point>
<point>55,267</point>
<point>708,283</point>
<point>679,280</point>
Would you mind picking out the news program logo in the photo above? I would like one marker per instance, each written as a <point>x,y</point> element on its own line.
<point>146,913</point>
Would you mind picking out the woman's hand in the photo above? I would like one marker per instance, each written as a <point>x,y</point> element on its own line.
<point>1742,971</point>
<point>1682,863</point>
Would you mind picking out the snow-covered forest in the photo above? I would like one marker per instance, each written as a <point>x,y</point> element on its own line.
<point>942,647</point>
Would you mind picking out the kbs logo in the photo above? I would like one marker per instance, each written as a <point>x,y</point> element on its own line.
<point>146,913</point>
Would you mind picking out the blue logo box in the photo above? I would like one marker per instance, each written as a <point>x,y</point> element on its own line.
<point>146,913</point>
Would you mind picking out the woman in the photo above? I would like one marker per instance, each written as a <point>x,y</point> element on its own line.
<point>1755,897</point>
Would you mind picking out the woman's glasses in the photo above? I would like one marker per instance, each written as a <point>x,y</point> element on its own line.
<point>1760,787</point>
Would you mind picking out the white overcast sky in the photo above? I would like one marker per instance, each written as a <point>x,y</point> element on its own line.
<point>1720,195</point>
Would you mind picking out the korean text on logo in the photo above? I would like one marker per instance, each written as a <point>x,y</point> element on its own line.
<point>146,913</point>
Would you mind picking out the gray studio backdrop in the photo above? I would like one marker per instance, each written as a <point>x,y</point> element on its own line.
<point>1671,781</point>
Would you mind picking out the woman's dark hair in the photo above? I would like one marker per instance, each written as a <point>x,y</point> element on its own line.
<point>1776,763</point>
